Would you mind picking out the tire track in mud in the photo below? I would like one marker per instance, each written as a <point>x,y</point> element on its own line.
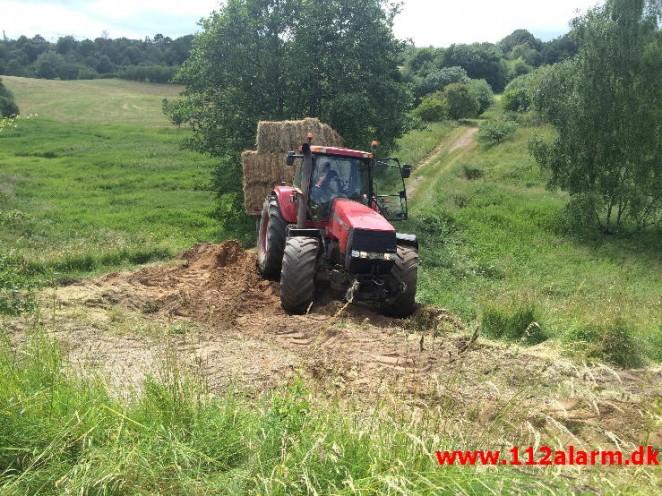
<point>244,337</point>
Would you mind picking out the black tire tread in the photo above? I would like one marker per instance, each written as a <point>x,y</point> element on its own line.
<point>405,270</point>
<point>270,262</point>
<point>297,278</point>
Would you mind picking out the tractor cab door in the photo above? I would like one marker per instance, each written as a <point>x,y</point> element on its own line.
<point>389,196</point>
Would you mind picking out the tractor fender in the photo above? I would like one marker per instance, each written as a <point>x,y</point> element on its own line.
<point>286,196</point>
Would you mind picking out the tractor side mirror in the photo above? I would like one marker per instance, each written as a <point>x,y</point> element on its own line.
<point>290,159</point>
<point>406,171</point>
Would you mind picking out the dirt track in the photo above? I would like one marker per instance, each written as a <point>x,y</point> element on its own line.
<point>213,313</point>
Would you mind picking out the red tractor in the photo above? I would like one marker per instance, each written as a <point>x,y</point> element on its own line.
<point>332,226</point>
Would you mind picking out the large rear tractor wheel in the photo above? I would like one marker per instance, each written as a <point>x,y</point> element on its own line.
<point>271,238</point>
<point>297,277</point>
<point>404,271</point>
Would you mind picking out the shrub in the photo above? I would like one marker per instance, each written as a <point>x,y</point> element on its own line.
<point>16,287</point>
<point>439,79</point>
<point>433,108</point>
<point>484,94</point>
<point>494,132</point>
<point>462,101</point>
<point>8,105</point>
<point>517,323</point>
<point>472,173</point>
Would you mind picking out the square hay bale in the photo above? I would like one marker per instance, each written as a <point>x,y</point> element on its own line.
<point>263,166</point>
<point>282,136</point>
<point>261,172</point>
<point>254,195</point>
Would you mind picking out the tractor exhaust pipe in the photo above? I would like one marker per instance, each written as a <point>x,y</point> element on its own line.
<point>306,173</point>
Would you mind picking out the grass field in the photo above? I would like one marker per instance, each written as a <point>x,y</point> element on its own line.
<point>80,196</point>
<point>100,101</point>
<point>494,248</point>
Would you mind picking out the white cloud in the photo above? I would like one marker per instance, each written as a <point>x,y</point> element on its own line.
<point>131,19</point>
<point>427,22</point>
<point>444,22</point>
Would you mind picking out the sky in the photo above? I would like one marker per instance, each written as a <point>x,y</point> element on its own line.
<point>438,23</point>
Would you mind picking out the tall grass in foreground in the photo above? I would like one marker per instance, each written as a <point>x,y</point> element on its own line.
<point>64,434</point>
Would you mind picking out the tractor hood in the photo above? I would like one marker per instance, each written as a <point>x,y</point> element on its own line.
<point>350,214</point>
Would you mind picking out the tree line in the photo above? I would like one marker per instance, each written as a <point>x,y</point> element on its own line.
<point>154,59</point>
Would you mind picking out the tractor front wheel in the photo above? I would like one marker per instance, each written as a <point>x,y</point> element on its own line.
<point>270,238</point>
<point>404,271</point>
<point>297,277</point>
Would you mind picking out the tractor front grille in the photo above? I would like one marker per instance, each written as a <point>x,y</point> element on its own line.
<point>372,241</point>
<point>366,251</point>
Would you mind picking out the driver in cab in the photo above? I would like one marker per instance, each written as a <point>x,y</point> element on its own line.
<point>327,184</point>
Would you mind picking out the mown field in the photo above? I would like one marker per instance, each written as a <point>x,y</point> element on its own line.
<point>96,182</point>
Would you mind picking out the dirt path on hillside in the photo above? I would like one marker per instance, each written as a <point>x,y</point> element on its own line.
<point>461,142</point>
<point>212,314</point>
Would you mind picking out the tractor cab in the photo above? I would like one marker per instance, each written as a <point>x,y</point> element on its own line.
<point>345,173</point>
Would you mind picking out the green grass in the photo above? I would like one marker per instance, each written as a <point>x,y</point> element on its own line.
<point>99,101</point>
<point>61,433</point>
<point>495,237</point>
<point>417,145</point>
<point>85,197</point>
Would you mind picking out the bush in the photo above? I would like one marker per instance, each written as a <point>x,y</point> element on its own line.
<point>494,132</point>
<point>472,173</point>
<point>8,105</point>
<point>433,108</point>
<point>518,323</point>
<point>16,287</point>
<point>484,94</point>
<point>439,79</point>
<point>462,101</point>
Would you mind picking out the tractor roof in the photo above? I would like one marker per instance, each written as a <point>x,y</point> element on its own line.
<point>343,152</point>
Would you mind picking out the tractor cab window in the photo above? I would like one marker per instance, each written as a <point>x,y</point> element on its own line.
<point>389,194</point>
<point>336,177</point>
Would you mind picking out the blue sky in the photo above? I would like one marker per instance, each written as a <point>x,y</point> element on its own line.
<point>427,22</point>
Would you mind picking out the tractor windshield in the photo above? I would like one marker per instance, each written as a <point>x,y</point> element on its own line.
<point>389,196</point>
<point>335,177</point>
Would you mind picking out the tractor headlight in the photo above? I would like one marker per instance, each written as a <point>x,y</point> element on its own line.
<point>372,255</point>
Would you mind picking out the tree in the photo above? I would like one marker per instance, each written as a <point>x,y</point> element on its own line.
<point>481,61</point>
<point>494,132</point>
<point>433,108</point>
<point>438,79</point>
<point>606,107</point>
<point>48,65</point>
<point>287,59</point>
<point>483,92</point>
<point>462,101</point>
<point>8,105</point>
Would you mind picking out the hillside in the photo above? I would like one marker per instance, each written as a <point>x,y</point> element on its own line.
<point>167,355</point>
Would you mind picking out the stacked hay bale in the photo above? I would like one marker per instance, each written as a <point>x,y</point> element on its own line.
<point>266,167</point>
